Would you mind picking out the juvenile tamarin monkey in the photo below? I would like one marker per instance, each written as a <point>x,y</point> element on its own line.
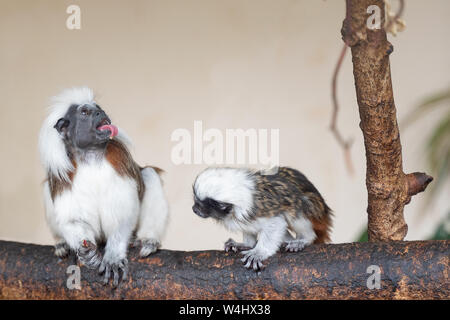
<point>265,208</point>
<point>94,192</point>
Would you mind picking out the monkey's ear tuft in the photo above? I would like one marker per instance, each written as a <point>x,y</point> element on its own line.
<point>61,125</point>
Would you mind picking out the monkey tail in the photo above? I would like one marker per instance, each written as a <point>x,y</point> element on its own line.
<point>322,227</point>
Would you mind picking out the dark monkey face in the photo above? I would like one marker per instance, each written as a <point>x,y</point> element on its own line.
<point>211,208</point>
<point>85,126</point>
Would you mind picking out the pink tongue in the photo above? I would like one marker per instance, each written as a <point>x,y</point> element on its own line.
<point>113,129</point>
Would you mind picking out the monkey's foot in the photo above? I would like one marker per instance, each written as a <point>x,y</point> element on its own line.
<point>88,255</point>
<point>295,245</point>
<point>253,260</point>
<point>107,267</point>
<point>234,246</point>
<point>62,249</point>
<point>148,246</point>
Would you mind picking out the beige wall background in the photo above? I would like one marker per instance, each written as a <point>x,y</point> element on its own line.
<point>159,65</point>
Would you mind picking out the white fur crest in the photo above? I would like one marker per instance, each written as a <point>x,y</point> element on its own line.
<point>51,146</point>
<point>231,185</point>
<point>100,205</point>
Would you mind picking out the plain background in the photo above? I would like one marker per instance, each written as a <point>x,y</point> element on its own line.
<point>157,66</point>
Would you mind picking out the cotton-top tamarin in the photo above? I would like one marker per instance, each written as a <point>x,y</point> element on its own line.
<point>265,208</point>
<point>94,192</point>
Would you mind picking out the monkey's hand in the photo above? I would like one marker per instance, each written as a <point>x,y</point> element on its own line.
<point>62,249</point>
<point>114,266</point>
<point>234,246</point>
<point>296,245</point>
<point>148,246</point>
<point>89,255</point>
<point>253,259</point>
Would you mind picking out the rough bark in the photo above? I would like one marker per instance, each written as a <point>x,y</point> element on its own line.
<point>389,188</point>
<point>417,270</point>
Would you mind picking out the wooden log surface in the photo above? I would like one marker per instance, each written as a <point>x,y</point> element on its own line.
<point>417,270</point>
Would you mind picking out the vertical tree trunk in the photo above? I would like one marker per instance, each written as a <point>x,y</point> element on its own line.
<point>389,188</point>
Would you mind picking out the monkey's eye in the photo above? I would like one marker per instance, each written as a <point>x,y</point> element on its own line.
<point>84,111</point>
<point>225,207</point>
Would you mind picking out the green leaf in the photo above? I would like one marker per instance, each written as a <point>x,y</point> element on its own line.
<point>364,236</point>
<point>442,230</point>
<point>426,105</point>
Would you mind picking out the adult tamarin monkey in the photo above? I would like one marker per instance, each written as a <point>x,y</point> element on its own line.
<point>265,208</point>
<point>94,192</point>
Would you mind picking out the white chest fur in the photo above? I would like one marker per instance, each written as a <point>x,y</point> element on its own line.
<point>99,197</point>
<point>95,180</point>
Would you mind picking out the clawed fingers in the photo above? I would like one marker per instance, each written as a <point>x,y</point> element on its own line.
<point>148,246</point>
<point>294,246</point>
<point>230,245</point>
<point>62,250</point>
<point>107,274</point>
<point>102,268</point>
<point>252,261</point>
<point>114,269</point>
<point>291,249</point>
<point>88,255</point>
<point>124,269</point>
<point>229,248</point>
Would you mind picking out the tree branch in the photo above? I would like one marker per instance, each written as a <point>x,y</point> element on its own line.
<point>389,188</point>
<point>345,144</point>
<point>417,270</point>
<point>394,23</point>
